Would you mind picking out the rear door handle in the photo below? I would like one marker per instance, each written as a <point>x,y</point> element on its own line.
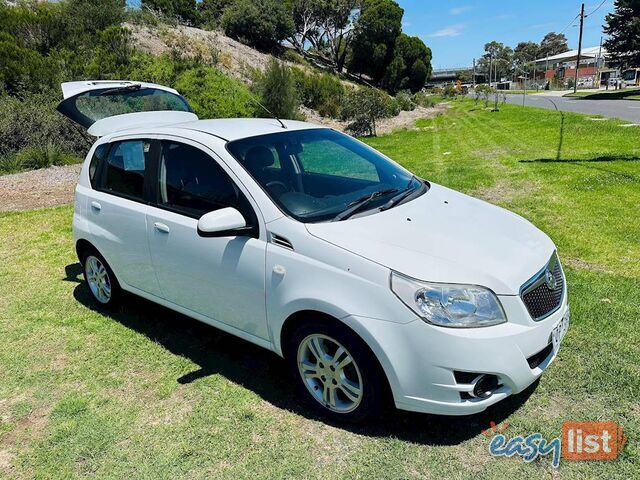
<point>161,227</point>
<point>96,206</point>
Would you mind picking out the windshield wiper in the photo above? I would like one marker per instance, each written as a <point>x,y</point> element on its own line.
<point>400,197</point>
<point>128,88</point>
<point>362,202</point>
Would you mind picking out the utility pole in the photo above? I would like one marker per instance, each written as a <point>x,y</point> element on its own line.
<point>535,76</point>
<point>575,83</point>
<point>490,67</point>
<point>598,79</point>
<point>473,80</point>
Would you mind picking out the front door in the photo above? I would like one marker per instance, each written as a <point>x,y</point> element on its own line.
<point>221,278</point>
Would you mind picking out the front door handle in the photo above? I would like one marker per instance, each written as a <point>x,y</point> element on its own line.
<point>161,227</point>
<point>96,206</point>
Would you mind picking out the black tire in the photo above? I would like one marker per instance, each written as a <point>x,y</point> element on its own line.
<point>375,391</point>
<point>115,295</point>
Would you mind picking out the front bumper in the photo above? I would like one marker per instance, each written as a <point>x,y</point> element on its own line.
<point>419,359</point>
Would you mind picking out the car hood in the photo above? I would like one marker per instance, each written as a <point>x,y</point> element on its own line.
<point>446,236</point>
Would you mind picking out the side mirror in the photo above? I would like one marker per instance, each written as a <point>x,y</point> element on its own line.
<point>226,222</point>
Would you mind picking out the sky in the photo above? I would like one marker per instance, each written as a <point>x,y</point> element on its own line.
<point>456,30</point>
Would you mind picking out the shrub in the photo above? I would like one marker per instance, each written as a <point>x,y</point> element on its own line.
<point>183,10</point>
<point>405,101</point>
<point>449,91</point>
<point>392,106</point>
<point>321,91</point>
<point>214,95</point>
<point>162,69</point>
<point>363,107</point>
<point>276,88</point>
<point>10,163</point>
<point>33,121</point>
<point>111,55</point>
<point>263,24</point>
<point>424,100</point>
<point>43,156</point>
<point>23,69</point>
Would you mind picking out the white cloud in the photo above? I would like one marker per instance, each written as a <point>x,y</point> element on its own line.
<point>450,31</point>
<point>459,10</point>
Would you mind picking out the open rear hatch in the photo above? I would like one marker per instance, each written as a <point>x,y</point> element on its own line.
<point>106,106</point>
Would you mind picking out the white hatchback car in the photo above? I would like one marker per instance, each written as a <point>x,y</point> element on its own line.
<point>372,283</point>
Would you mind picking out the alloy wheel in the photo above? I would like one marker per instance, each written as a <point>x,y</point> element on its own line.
<point>330,373</point>
<point>98,279</point>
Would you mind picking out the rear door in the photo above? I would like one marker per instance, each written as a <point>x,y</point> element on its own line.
<point>104,107</point>
<point>117,207</point>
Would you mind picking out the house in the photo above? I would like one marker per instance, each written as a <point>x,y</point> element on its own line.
<point>563,66</point>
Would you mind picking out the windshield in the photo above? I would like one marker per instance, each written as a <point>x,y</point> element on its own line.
<point>316,175</point>
<point>93,105</point>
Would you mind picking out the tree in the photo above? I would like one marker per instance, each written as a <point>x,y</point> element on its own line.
<point>499,57</point>
<point>623,28</point>
<point>184,10</point>
<point>262,24</point>
<point>210,11</point>
<point>553,44</point>
<point>307,18</point>
<point>376,32</point>
<point>334,36</point>
<point>277,91</point>
<point>363,106</point>
<point>525,53</point>
<point>410,66</point>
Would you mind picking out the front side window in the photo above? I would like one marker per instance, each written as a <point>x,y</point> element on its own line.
<point>319,174</point>
<point>192,183</point>
<point>125,168</point>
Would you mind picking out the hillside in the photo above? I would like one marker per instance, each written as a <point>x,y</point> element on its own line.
<point>241,62</point>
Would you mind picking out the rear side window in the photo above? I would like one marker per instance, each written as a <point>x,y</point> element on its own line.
<point>94,165</point>
<point>193,183</point>
<point>125,168</point>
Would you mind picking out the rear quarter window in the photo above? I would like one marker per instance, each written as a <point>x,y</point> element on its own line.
<point>99,155</point>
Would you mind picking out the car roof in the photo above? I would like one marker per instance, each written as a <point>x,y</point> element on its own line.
<point>230,129</point>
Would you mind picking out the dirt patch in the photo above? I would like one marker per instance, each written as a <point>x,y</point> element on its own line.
<point>6,462</point>
<point>500,192</point>
<point>30,426</point>
<point>584,265</point>
<point>47,187</point>
<point>386,125</point>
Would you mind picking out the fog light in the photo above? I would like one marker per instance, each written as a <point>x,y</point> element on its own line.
<point>484,386</point>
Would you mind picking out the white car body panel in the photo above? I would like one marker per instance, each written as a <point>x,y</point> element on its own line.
<point>251,287</point>
<point>446,237</point>
<point>128,121</point>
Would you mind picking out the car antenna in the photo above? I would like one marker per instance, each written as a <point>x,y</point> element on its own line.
<point>269,112</point>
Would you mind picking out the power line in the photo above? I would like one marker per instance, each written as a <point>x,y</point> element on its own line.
<point>565,28</point>
<point>597,8</point>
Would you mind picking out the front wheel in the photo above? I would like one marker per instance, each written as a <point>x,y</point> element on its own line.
<point>336,372</point>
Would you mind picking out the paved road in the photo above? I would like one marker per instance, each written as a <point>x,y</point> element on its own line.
<point>624,109</point>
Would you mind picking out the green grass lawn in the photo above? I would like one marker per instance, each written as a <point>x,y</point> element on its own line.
<point>623,94</point>
<point>147,393</point>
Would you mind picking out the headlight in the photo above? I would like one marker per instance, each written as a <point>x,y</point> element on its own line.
<point>448,305</point>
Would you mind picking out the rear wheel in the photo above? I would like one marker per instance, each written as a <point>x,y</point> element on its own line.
<point>100,279</point>
<point>336,372</point>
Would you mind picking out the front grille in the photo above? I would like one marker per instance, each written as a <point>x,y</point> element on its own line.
<point>538,295</point>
